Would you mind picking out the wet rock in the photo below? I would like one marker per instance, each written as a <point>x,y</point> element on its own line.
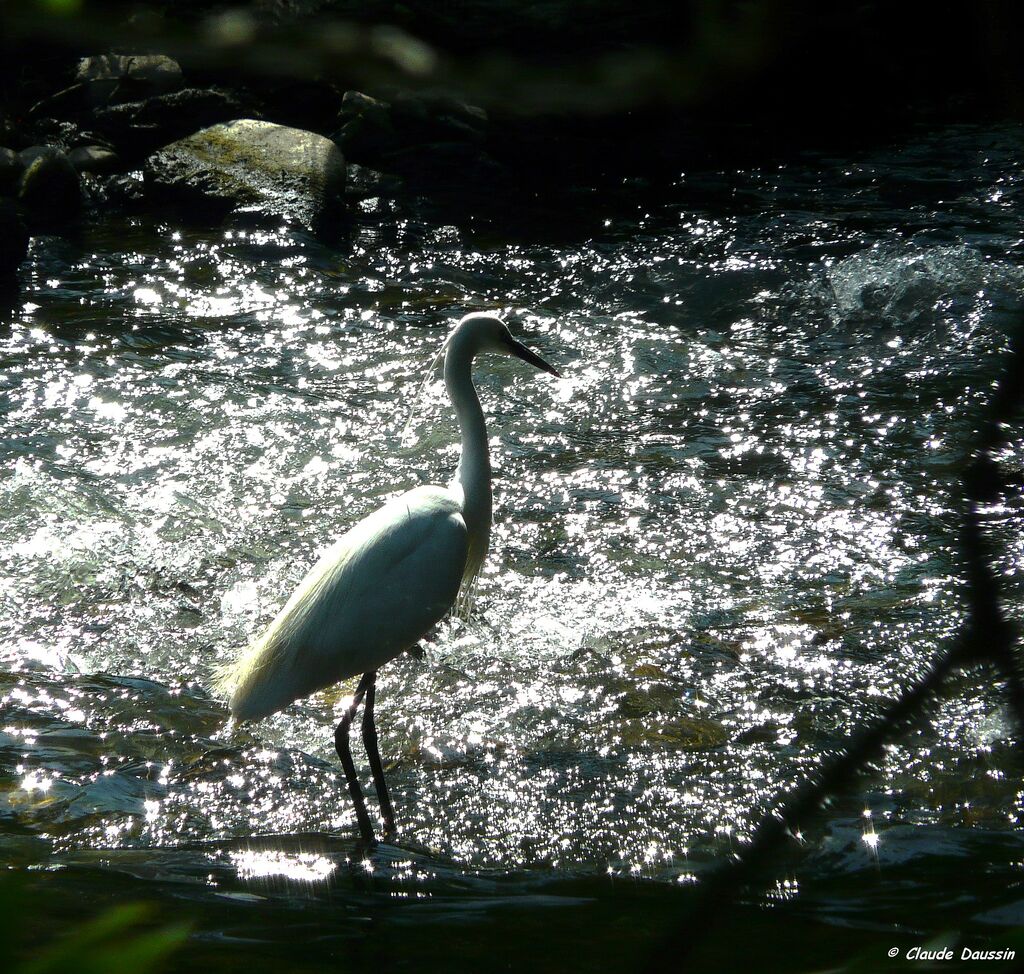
<point>367,130</point>
<point>49,189</point>
<point>438,118</point>
<point>649,671</point>
<point>10,171</point>
<point>767,733</point>
<point>651,699</point>
<point>137,128</point>
<point>13,241</point>
<point>111,78</point>
<point>94,159</point>
<point>126,191</point>
<point>362,183</point>
<point>56,132</point>
<point>251,167</point>
<point>431,140</point>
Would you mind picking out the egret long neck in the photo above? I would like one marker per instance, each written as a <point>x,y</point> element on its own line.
<point>474,473</point>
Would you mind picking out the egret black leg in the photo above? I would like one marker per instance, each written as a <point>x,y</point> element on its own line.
<point>387,811</point>
<point>341,745</point>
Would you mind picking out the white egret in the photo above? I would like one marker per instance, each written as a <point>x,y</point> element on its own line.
<point>380,588</point>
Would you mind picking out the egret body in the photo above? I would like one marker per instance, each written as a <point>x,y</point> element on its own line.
<point>385,583</point>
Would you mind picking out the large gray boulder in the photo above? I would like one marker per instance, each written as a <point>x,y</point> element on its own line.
<point>268,171</point>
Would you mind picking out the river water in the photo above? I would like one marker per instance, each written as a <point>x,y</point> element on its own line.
<point>723,541</point>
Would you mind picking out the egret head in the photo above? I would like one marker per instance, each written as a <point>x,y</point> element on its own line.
<point>488,333</point>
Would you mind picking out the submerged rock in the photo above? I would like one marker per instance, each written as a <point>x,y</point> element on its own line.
<point>651,699</point>
<point>252,167</point>
<point>680,733</point>
<point>49,189</point>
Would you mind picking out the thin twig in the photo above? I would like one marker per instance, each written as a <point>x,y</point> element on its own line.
<point>781,826</point>
<point>991,635</point>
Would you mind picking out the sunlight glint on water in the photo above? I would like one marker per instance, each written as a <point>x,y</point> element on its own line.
<point>721,542</point>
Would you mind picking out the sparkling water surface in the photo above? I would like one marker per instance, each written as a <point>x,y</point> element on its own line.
<point>722,542</point>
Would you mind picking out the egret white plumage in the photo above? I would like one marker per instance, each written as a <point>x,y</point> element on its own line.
<point>382,586</point>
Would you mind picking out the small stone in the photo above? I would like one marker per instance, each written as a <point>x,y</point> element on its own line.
<point>761,734</point>
<point>60,133</point>
<point>399,136</point>
<point>649,671</point>
<point>356,104</point>
<point>94,159</point>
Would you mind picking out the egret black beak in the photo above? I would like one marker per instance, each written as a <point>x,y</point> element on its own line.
<point>519,350</point>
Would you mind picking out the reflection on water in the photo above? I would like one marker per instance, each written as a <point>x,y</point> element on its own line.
<point>722,542</point>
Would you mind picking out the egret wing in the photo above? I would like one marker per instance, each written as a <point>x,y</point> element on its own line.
<point>373,594</point>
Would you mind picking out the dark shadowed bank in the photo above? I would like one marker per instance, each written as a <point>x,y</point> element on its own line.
<point>473,105</point>
<point>466,100</point>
